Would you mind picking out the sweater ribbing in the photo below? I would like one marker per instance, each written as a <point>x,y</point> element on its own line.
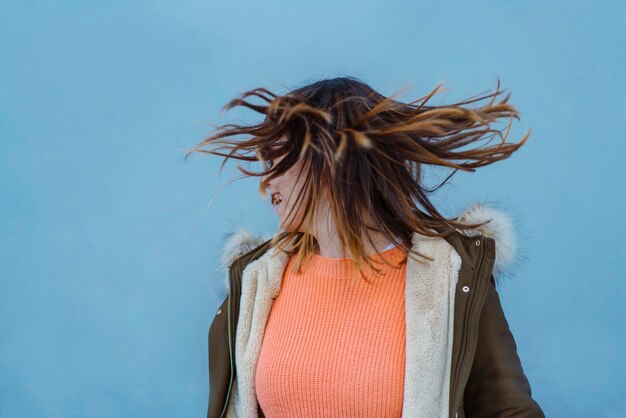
<point>333,348</point>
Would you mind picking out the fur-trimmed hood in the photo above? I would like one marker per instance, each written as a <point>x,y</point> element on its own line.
<point>500,227</point>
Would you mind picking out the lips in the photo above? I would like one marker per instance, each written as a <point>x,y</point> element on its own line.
<point>277,198</point>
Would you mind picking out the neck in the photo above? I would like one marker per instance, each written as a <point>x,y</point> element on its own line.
<point>330,246</point>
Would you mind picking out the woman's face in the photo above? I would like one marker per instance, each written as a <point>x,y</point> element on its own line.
<point>283,191</point>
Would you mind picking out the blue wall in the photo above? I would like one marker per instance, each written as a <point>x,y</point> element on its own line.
<point>109,239</point>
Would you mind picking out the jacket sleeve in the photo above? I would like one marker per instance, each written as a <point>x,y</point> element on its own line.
<point>497,385</point>
<point>219,361</point>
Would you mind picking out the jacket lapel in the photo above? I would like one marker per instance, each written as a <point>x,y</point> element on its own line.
<point>261,280</point>
<point>429,301</point>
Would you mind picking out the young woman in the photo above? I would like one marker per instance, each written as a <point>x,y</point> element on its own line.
<point>366,302</point>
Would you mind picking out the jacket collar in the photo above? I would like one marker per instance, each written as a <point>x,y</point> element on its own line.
<point>501,228</point>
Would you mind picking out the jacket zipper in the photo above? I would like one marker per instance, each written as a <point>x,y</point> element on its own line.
<point>464,349</point>
<point>468,309</point>
<point>230,350</point>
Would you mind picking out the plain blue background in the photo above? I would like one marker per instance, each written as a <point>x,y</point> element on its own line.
<point>109,240</point>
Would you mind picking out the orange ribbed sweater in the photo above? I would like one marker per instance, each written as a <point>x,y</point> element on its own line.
<point>333,349</point>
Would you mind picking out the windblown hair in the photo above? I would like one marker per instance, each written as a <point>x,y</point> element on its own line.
<point>365,151</point>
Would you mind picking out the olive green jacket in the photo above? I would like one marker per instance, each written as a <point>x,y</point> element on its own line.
<point>484,370</point>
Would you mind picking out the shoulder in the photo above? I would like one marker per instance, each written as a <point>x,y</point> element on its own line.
<point>236,244</point>
<point>236,252</point>
<point>500,227</point>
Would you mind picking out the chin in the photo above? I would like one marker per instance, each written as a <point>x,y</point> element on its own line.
<point>289,225</point>
<point>288,228</point>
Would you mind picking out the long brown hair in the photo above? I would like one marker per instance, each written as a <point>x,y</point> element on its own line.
<point>365,151</point>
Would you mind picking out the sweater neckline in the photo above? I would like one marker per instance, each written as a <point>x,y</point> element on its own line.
<point>341,268</point>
